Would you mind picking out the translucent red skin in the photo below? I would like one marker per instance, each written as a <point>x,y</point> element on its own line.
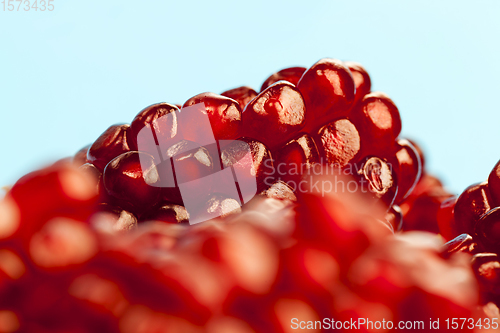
<point>487,230</point>
<point>80,158</point>
<point>262,161</point>
<point>224,114</point>
<point>148,116</point>
<point>339,143</point>
<point>42,195</point>
<point>494,185</point>
<point>124,180</point>
<point>113,142</point>
<point>275,116</point>
<point>385,193</point>
<point>410,168</point>
<point>242,95</point>
<point>361,79</point>
<point>485,267</point>
<point>395,217</point>
<point>378,121</point>
<point>473,203</point>
<point>329,91</point>
<point>297,155</point>
<point>291,74</point>
<point>168,213</point>
<point>446,219</point>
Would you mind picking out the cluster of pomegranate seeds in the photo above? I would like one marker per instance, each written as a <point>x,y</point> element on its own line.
<point>343,226</point>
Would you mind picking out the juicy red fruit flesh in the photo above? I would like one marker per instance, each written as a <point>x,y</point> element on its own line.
<point>296,158</point>
<point>113,142</point>
<point>378,121</point>
<point>470,206</point>
<point>275,116</point>
<point>164,131</point>
<point>328,89</point>
<point>409,169</point>
<point>291,74</point>
<point>487,230</point>
<point>224,114</point>
<point>127,183</point>
<point>242,95</point>
<point>361,79</point>
<point>380,178</point>
<point>339,143</point>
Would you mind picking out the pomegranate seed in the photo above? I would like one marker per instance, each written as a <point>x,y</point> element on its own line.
<point>291,74</point>
<point>296,158</point>
<point>242,95</point>
<point>462,243</point>
<point>280,190</point>
<point>259,166</point>
<point>378,121</point>
<point>380,178</point>
<point>420,153</point>
<point>191,163</point>
<point>164,131</point>
<point>126,182</point>
<point>62,191</point>
<point>340,143</point>
<point>494,184</point>
<point>361,80</point>
<point>473,203</point>
<point>224,114</point>
<point>486,267</point>
<point>446,219</point>
<point>80,157</point>
<point>328,89</point>
<point>113,142</point>
<point>409,170</point>
<point>168,213</point>
<point>109,218</point>
<point>395,217</point>
<point>275,116</point>
<point>487,230</point>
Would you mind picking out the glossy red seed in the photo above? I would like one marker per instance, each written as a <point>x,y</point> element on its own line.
<point>113,142</point>
<point>191,163</point>
<point>275,116</point>
<point>164,131</point>
<point>486,267</point>
<point>409,169</point>
<point>296,158</point>
<point>224,114</point>
<point>130,179</point>
<point>420,153</point>
<point>328,89</point>
<point>378,121</point>
<point>110,218</point>
<point>339,143</point>
<point>291,74</point>
<point>494,184</point>
<point>80,157</point>
<point>259,167</point>
<point>487,230</point>
<point>446,219</point>
<point>361,79</point>
<point>377,178</point>
<point>395,217</point>
<point>59,191</point>
<point>473,203</point>
<point>242,95</point>
<point>462,243</point>
<point>280,190</point>
<point>168,213</point>
<point>93,173</point>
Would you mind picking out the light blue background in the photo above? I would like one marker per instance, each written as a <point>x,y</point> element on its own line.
<point>66,75</point>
